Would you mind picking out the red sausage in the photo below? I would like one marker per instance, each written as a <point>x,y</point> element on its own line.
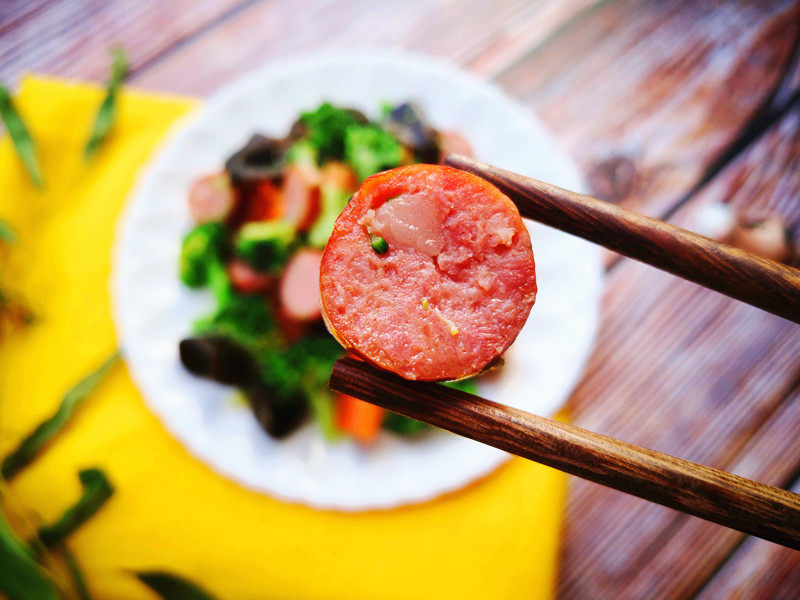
<point>246,279</point>
<point>212,198</point>
<point>299,291</point>
<point>301,197</point>
<point>455,286</point>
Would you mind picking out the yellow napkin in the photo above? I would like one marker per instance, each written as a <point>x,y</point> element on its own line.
<point>495,539</point>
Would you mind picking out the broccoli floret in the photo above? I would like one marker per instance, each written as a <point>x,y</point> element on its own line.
<point>266,245</point>
<point>246,320</point>
<point>370,149</point>
<point>201,254</point>
<point>326,130</point>
<point>306,365</point>
<point>333,202</point>
<point>465,385</point>
<point>403,425</point>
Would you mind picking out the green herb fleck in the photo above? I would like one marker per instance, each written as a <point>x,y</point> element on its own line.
<point>23,142</point>
<point>172,587</point>
<point>30,447</point>
<point>425,304</point>
<point>96,490</point>
<point>107,112</point>
<point>378,244</point>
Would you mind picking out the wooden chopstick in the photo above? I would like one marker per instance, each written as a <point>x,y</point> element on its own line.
<point>767,284</point>
<point>755,508</point>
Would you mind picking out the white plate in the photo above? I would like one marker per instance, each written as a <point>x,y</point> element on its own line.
<point>153,311</point>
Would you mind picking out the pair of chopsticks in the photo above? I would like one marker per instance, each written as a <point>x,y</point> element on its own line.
<point>758,509</point>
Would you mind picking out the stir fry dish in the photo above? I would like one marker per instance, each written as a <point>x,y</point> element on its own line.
<point>261,225</point>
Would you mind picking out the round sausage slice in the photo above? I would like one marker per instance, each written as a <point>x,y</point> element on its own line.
<point>429,273</point>
<point>212,198</point>
<point>299,290</point>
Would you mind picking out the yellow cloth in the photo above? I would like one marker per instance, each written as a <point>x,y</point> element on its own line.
<point>496,539</point>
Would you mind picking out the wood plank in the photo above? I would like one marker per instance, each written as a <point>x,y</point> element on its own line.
<point>72,39</point>
<point>14,12</point>
<point>670,571</point>
<point>646,94</point>
<point>268,32</point>
<point>689,372</point>
<point>758,570</point>
<point>486,36</point>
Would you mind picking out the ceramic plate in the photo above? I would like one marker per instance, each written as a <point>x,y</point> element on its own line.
<point>153,311</point>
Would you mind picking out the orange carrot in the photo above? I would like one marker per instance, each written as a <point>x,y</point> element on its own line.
<point>360,419</point>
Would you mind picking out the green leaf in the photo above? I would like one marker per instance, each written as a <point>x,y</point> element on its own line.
<point>172,587</point>
<point>105,116</point>
<point>33,444</point>
<point>7,234</point>
<point>20,576</point>
<point>23,142</point>
<point>76,573</point>
<point>96,490</point>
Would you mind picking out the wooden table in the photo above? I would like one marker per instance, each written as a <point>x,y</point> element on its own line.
<point>665,106</point>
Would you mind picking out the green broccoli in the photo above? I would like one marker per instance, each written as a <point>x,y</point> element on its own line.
<point>465,385</point>
<point>333,202</point>
<point>305,365</point>
<point>403,425</point>
<point>326,130</point>
<point>369,149</point>
<point>201,254</point>
<point>266,245</point>
<point>246,320</point>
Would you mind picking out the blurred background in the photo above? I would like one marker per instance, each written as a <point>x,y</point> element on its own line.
<point>687,111</point>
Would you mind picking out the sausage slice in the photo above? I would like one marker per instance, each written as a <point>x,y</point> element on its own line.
<point>429,273</point>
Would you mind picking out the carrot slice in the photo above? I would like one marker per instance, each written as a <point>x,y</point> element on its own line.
<point>360,419</point>
<point>264,203</point>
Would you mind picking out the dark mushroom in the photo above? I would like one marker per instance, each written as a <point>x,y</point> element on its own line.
<point>408,124</point>
<point>261,158</point>
<point>277,417</point>
<point>219,359</point>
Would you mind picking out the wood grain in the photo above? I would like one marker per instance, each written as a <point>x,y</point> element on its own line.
<point>72,39</point>
<point>758,509</point>
<point>758,570</point>
<point>645,95</point>
<point>766,284</point>
<point>268,32</point>
<point>676,365</point>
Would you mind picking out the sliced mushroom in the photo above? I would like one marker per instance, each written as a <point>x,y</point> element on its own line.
<point>219,359</point>
<point>277,417</point>
<point>261,158</point>
<point>408,124</point>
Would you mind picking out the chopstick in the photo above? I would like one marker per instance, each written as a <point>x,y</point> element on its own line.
<point>766,284</point>
<point>761,510</point>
